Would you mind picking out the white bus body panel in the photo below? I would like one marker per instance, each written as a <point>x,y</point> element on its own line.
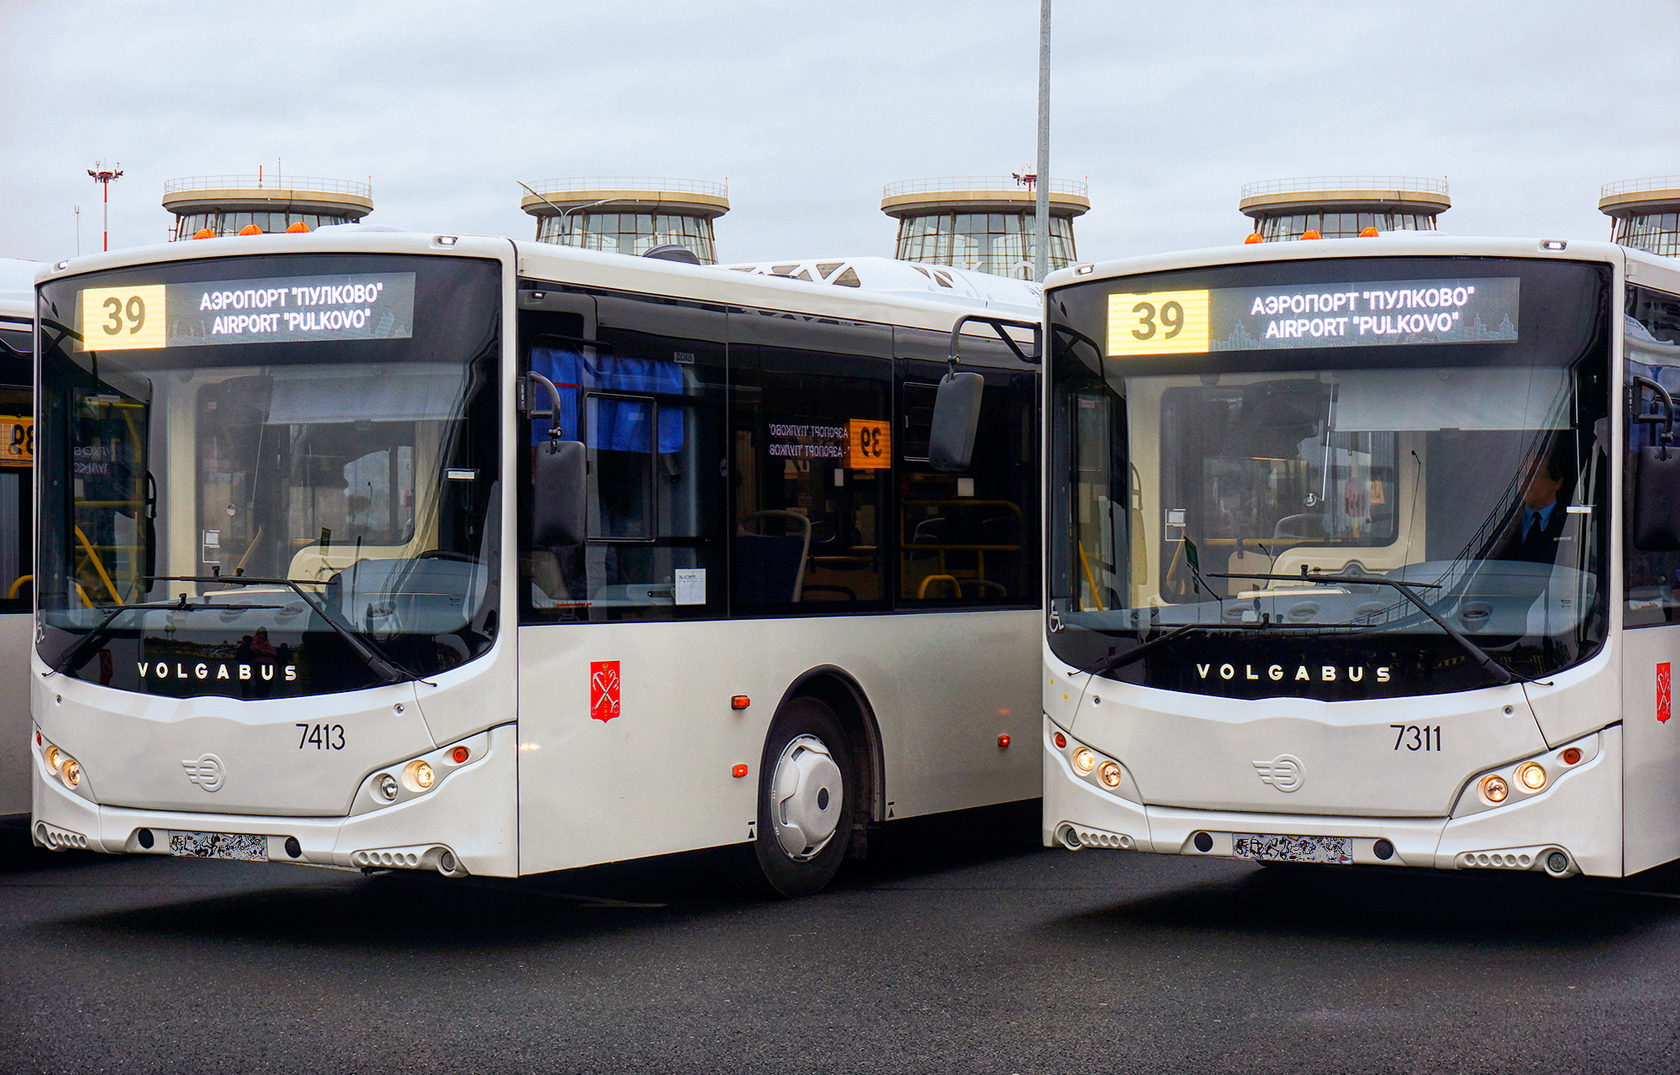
<point>1579,813</point>
<point>137,753</point>
<point>1652,763</point>
<point>1201,764</point>
<point>590,790</point>
<point>1208,753</point>
<point>15,636</point>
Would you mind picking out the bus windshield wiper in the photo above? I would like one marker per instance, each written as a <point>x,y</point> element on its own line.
<point>1138,652</point>
<point>102,630</point>
<point>388,667</point>
<point>1409,592</point>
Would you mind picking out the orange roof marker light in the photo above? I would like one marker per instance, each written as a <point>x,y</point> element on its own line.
<point>1368,233</point>
<point>1253,237</point>
<point>250,229</point>
<point>1311,233</point>
<point>297,227</point>
<point>205,233</point>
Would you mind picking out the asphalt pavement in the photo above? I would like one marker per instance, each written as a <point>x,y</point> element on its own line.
<point>960,945</point>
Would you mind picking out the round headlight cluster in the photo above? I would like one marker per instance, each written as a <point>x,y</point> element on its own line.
<point>1086,763</point>
<point>67,769</point>
<point>1530,778</point>
<point>421,775</point>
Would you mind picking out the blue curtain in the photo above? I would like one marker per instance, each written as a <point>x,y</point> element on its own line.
<point>621,425</point>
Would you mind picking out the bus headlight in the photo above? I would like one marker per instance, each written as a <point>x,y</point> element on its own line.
<point>55,758</point>
<point>1084,760</point>
<point>1532,776</point>
<point>386,785</point>
<point>1109,774</point>
<point>70,772</point>
<point>418,775</point>
<point>1494,789</point>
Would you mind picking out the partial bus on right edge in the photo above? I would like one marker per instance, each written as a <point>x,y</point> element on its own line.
<point>1364,551</point>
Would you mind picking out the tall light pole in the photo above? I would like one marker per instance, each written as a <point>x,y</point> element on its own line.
<point>103,176</point>
<point>1041,203</point>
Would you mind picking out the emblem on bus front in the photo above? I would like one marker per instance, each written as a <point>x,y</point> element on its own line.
<point>207,772</point>
<point>1282,772</point>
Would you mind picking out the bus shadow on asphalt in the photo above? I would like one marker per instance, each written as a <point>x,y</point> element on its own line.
<point>399,910</point>
<point>1399,906</point>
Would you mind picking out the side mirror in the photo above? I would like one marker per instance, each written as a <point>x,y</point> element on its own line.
<point>956,419</point>
<point>561,494</point>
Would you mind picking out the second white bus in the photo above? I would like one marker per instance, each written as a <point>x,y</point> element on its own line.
<point>1365,551</point>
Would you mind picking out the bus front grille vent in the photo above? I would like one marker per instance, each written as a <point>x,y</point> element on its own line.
<point>1078,836</point>
<point>60,839</point>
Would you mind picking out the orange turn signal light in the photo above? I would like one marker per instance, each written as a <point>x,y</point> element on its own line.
<point>740,701</point>
<point>740,771</point>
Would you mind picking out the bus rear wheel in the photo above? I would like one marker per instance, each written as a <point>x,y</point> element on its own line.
<point>805,792</point>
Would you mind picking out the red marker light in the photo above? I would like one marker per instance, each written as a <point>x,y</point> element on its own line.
<point>1003,742</point>
<point>740,701</point>
<point>740,771</point>
<point>460,755</point>
<point>1572,756</point>
<point>1061,741</point>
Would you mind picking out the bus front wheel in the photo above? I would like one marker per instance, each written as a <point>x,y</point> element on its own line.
<point>805,790</point>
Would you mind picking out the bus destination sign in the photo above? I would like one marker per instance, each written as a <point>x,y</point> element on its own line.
<point>297,309</point>
<point>1374,314</point>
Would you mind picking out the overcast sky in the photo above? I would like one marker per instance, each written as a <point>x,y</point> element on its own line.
<point>1525,107</point>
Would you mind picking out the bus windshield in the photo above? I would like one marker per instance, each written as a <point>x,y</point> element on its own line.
<point>1312,488</point>
<point>265,480</point>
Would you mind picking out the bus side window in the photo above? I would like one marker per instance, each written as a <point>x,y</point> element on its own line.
<point>645,400</point>
<point>968,537</point>
<point>811,460</point>
<point>16,510</point>
<point>1651,328</point>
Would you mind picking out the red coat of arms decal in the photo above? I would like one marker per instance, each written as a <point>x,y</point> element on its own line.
<point>603,690</point>
<point>1664,704</point>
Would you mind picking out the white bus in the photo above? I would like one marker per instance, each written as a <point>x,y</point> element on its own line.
<point>1365,551</point>
<point>17,437</point>
<point>380,550</point>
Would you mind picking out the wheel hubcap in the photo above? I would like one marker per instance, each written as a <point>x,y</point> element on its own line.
<point>805,797</point>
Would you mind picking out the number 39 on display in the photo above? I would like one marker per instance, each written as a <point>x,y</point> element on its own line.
<point>1158,323</point>
<point>123,318</point>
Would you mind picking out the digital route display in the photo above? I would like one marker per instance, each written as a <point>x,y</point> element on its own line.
<point>297,309</point>
<point>1374,314</point>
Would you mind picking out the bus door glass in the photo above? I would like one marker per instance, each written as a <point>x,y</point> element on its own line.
<point>645,396</point>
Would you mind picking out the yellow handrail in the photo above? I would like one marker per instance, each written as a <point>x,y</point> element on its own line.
<point>12,590</point>
<point>99,567</point>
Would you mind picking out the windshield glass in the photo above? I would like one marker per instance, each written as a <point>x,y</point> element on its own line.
<point>1269,473</point>
<point>269,476</point>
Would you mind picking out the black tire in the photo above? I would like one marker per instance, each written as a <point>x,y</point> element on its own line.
<point>805,825</point>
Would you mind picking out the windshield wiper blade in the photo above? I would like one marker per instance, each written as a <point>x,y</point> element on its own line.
<point>1138,652</point>
<point>1409,592</point>
<point>100,631</point>
<point>387,667</point>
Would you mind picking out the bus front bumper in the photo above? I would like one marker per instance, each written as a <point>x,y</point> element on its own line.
<point>466,824</point>
<point>1573,827</point>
